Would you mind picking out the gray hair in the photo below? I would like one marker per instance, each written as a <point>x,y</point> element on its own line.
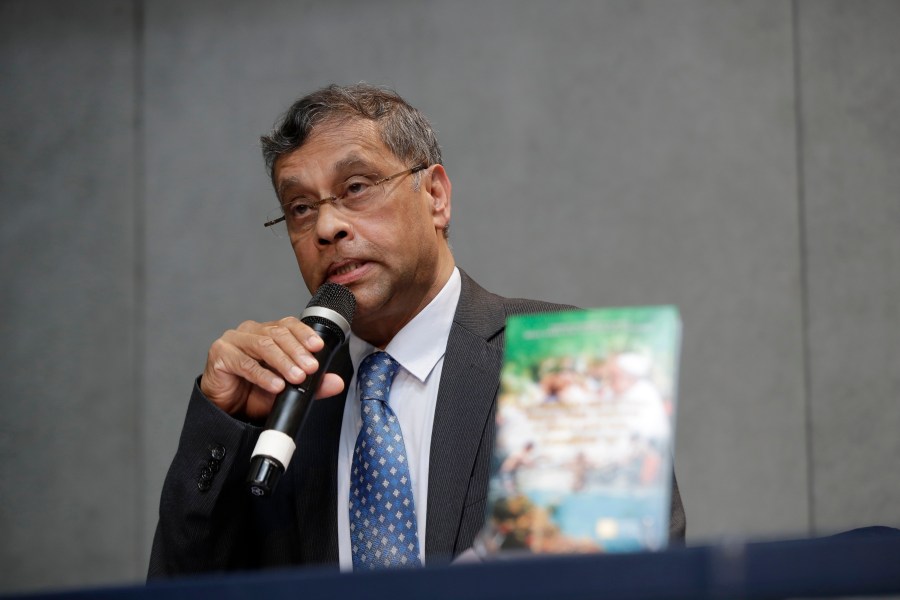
<point>404,130</point>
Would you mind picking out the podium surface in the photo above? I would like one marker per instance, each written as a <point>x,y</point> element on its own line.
<point>866,563</point>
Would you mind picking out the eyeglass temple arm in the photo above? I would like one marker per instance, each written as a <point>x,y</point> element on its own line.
<point>274,221</point>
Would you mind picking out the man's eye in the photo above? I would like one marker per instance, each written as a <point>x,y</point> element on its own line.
<point>356,187</point>
<point>298,209</point>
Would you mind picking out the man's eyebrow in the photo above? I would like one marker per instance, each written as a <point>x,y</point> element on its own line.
<point>350,163</point>
<point>287,182</point>
<point>345,166</point>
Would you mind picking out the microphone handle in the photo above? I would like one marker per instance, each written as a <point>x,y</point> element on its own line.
<point>289,412</point>
<point>292,405</point>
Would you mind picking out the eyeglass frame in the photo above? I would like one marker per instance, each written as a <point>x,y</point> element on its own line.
<point>332,199</point>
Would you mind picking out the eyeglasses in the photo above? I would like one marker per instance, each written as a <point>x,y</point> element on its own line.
<point>357,195</point>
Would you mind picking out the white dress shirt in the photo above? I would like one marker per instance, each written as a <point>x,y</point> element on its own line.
<point>419,348</point>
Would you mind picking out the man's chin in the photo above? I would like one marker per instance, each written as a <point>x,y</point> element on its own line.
<point>369,316</point>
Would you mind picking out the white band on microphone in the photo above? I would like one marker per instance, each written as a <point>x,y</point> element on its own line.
<point>275,444</point>
<point>326,313</point>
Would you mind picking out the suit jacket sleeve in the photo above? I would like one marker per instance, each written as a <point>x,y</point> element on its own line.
<point>204,513</point>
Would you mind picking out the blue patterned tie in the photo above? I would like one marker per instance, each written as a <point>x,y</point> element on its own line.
<point>383,530</point>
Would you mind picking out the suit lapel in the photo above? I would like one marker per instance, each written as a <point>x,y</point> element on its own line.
<point>469,383</point>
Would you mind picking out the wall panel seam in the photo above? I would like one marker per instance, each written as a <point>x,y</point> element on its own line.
<point>800,174</point>
<point>140,282</point>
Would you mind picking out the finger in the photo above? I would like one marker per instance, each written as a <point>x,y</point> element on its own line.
<point>331,385</point>
<point>230,359</point>
<point>298,342</point>
<point>303,332</point>
<point>259,404</point>
<point>249,326</point>
<point>266,349</point>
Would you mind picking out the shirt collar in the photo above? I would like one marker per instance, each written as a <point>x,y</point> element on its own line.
<point>423,341</point>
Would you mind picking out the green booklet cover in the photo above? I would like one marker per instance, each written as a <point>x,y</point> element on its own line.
<point>585,431</point>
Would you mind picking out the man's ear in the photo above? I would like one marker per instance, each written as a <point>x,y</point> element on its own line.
<point>439,188</point>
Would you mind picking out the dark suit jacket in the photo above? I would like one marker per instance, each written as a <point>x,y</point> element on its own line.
<point>222,527</point>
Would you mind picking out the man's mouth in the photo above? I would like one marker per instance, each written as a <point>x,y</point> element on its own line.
<point>346,268</point>
<point>345,272</point>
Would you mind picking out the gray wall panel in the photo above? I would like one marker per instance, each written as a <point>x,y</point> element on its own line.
<point>68,470</point>
<point>851,121</point>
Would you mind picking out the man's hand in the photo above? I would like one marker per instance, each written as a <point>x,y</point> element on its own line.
<point>248,366</point>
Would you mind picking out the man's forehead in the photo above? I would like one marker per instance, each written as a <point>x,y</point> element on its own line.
<point>335,147</point>
<point>356,128</point>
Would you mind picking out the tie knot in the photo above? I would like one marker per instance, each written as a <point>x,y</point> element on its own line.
<point>376,372</point>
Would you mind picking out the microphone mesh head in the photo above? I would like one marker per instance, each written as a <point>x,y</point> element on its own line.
<point>335,297</point>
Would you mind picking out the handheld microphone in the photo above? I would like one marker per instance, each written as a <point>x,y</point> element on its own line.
<point>329,313</point>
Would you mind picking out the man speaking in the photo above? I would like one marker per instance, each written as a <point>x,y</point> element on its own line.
<point>409,400</point>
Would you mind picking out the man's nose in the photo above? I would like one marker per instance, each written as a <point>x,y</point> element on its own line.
<point>332,225</point>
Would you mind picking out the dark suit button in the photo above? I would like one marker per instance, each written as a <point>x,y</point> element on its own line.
<point>217,451</point>
<point>204,484</point>
<point>213,465</point>
<point>205,474</point>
